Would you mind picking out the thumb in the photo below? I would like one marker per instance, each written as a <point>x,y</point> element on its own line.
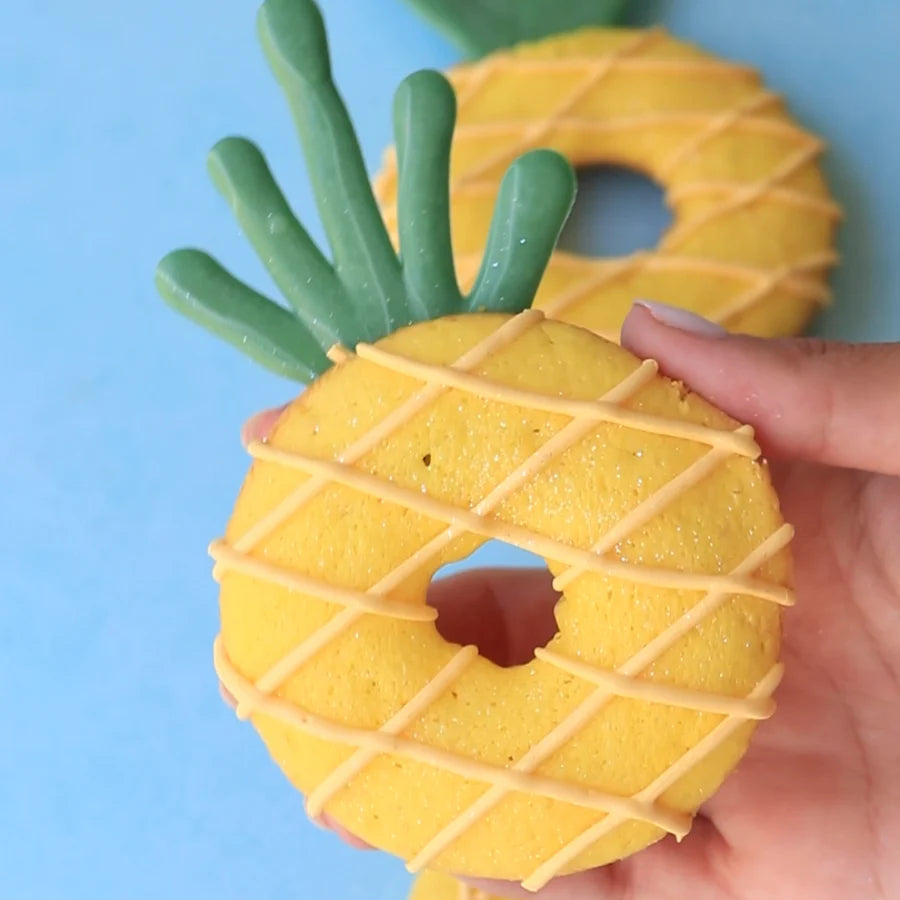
<point>808,399</point>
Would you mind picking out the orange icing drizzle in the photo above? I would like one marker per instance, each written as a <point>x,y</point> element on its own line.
<point>520,777</point>
<point>613,125</point>
<point>651,506</point>
<point>761,281</point>
<point>564,439</point>
<point>398,723</point>
<point>507,333</point>
<point>773,279</point>
<point>624,686</point>
<point>472,769</point>
<point>230,558</point>
<point>706,745</point>
<point>477,74</point>
<point>597,70</point>
<point>745,194</point>
<point>715,126</point>
<point>738,442</point>
<point>786,195</point>
<point>592,705</point>
<point>744,116</point>
<point>461,520</point>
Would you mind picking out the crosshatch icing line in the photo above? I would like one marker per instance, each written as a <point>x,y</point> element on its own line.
<point>578,82</point>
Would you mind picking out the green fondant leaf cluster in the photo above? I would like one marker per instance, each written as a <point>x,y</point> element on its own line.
<point>479,27</point>
<point>365,290</point>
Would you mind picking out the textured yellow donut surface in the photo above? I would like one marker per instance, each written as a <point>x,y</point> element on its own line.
<point>753,223</point>
<point>649,507</point>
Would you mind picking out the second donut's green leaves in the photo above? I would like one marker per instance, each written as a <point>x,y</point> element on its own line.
<point>479,27</point>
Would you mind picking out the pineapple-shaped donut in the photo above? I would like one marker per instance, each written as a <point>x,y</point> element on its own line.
<point>435,421</point>
<point>751,240</point>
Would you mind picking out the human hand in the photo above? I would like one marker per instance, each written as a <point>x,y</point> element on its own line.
<point>813,810</point>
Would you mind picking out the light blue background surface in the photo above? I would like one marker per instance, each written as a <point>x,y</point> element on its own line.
<point>121,773</point>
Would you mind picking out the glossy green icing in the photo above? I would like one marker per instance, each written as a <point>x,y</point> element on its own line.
<point>424,115</point>
<point>296,264</point>
<point>294,40</point>
<point>196,285</point>
<point>479,27</point>
<point>535,198</point>
<point>367,291</point>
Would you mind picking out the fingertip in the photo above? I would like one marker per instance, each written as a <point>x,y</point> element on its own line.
<point>682,319</point>
<point>329,823</point>
<point>226,695</point>
<point>634,327</point>
<point>648,322</point>
<point>259,427</point>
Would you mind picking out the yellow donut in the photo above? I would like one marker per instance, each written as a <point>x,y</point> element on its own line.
<point>753,223</point>
<point>437,886</point>
<point>650,508</point>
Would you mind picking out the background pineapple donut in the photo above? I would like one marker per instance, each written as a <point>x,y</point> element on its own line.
<point>751,240</point>
<point>435,421</point>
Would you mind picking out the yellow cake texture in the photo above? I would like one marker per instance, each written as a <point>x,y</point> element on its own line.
<point>651,509</point>
<point>752,236</point>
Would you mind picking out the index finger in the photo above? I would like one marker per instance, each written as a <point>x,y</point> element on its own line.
<point>821,401</point>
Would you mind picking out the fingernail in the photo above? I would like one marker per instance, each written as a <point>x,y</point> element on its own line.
<point>258,427</point>
<point>682,319</point>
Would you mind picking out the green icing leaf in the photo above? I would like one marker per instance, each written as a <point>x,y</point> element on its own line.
<point>424,115</point>
<point>193,283</point>
<point>368,291</point>
<point>304,276</point>
<point>479,27</point>
<point>293,36</point>
<point>535,199</point>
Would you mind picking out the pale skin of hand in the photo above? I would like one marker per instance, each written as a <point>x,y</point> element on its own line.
<point>813,810</point>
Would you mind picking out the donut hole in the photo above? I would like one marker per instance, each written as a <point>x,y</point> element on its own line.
<point>499,598</point>
<point>617,211</point>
